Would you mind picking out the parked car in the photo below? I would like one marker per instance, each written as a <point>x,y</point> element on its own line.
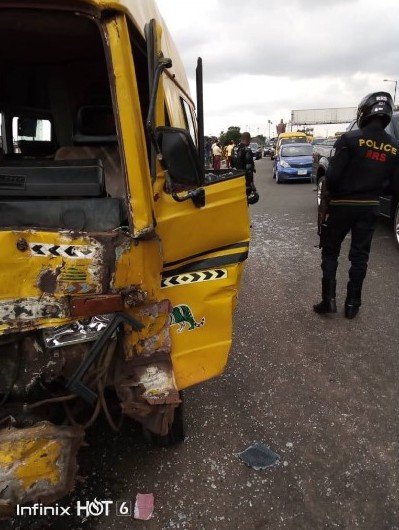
<point>256,150</point>
<point>294,162</point>
<point>268,150</point>
<point>317,141</point>
<point>389,203</point>
<point>321,155</point>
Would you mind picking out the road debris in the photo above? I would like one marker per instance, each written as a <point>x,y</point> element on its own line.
<point>259,456</point>
<point>144,507</point>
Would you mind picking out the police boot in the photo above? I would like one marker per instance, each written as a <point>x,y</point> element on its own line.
<point>252,194</point>
<point>328,303</point>
<point>353,300</point>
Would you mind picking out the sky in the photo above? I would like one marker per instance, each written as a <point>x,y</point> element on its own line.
<point>263,58</point>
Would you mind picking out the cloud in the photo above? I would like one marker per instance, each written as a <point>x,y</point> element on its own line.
<point>281,38</point>
<point>267,57</point>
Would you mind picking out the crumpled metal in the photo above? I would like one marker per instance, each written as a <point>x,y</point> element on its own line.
<point>37,463</point>
<point>79,331</point>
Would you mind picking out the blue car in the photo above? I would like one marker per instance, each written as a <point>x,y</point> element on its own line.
<point>294,162</point>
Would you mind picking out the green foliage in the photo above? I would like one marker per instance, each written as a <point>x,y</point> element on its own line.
<point>232,133</point>
<point>259,139</point>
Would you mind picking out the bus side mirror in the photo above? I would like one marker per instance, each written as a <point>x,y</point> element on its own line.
<point>179,156</point>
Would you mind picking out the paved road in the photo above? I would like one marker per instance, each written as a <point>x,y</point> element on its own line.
<point>321,392</point>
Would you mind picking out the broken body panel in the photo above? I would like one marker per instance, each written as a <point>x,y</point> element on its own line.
<point>126,247</point>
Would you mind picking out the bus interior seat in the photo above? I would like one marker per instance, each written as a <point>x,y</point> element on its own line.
<point>40,149</point>
<point>96,138</point>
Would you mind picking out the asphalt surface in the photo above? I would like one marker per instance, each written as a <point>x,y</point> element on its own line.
<point>322,392</point>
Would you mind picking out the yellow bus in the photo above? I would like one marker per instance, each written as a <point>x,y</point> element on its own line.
<point>290,137</point>
<point>120,257</point>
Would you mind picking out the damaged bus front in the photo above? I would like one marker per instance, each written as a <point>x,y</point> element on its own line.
<point>120,258</point>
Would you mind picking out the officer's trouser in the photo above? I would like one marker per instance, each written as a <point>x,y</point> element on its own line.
<point>249,180</point>
<point>361,221</point>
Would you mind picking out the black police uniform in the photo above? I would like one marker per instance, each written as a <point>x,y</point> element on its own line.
<point>362,166</point>
<point>245,160</point>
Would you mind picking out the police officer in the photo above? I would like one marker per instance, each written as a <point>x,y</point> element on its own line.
<point>362,166</point>
<point>245,160</point>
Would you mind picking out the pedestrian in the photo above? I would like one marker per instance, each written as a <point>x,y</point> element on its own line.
<point>364,162</point>
<point>217,155</point>
<point>244,160</point>
<point>208,152</point>
<point>213,143</point>
<point>229,153</point>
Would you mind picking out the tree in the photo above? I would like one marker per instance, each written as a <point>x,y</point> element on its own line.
<point>259,139</point>
<point>232,133</point>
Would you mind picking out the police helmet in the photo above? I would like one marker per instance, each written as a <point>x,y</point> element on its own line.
<point>376,104</point>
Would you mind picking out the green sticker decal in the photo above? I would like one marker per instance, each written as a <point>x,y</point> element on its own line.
<point>182,315</point>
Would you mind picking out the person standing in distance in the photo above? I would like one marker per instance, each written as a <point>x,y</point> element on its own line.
<point>229,153</point>
<point>217,155</point>
<point>362,166</point>
<point>245,160</point>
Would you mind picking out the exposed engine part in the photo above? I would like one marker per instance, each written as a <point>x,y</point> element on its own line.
<point>97,379</point>
<point>26,368</point>
<point>75,383</point>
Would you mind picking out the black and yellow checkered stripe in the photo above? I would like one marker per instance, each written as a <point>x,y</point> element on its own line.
<point>194,277</point>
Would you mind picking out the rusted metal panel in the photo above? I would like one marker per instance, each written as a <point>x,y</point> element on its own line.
<point>84,306</point>
<point>29,310</point>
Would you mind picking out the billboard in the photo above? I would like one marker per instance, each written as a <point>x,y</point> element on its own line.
<point>323,116</point>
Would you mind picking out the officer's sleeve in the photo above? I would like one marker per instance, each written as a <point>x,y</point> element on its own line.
<point>337,165</point>
<point>249,159</point>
